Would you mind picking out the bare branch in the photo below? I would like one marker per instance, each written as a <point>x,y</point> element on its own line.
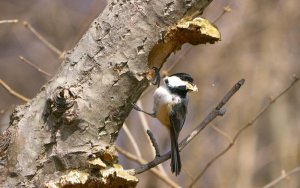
<point>8,21</point>
<point>250,123</point>
<point>156,172</point>
<point>217,111</point>
<point>146,127</point>
<point>41,38</point>
<point>154,143</point>
<point>282,177</point>
<point>13,92</point>
<point>34,66</point>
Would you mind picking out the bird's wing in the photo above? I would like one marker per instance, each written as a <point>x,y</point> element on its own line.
<point>177,117</point>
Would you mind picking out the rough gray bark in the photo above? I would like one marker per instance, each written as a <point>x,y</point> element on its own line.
<point>76,117</point>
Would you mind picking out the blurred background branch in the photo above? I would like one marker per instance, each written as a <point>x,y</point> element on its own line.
<point>42,39</point>
<point>13,92</point>
<point>8,21</point>
<point>282,177</point>
<point>23,59</point>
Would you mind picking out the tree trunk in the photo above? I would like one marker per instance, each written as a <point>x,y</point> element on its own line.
<point>64,136</point>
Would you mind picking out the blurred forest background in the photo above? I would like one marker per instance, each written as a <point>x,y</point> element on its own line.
<point>260,42</point>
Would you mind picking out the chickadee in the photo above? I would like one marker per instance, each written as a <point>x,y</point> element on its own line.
<point>170,108</point>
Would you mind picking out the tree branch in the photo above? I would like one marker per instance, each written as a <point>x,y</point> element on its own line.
<point>23,59</point>
<point>153,170</point>
<point>41,38</point>
<point>282,177</point>
<point>240,131</point>
<point>154,143</point>
<point>146,127</point>
<point>13,92</point>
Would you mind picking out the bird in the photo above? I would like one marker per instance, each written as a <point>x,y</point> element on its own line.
<point>170,101</point>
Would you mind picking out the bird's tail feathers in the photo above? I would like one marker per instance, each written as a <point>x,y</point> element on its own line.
<point>175,156</point>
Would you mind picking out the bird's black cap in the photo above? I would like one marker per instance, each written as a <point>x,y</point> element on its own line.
<point>184,77</point>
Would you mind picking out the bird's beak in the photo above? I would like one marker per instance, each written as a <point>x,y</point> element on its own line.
<point>191,87</point>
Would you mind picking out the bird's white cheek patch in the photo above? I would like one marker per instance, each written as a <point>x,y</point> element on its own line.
<point>174,81</point>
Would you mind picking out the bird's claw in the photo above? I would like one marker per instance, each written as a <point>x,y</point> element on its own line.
<point>136,107</point>
<point>156,78</point>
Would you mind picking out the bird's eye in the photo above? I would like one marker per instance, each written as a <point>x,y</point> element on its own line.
<point>166,81</point>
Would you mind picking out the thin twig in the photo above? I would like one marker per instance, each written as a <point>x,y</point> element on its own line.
<point>241,130</point>
<point>156,172</point>
<point>282,177</point>
<point>132,140</point>
<point>217,111</point>
<point>34,66</point>
<point>8,21</point>
<point>13,92</point>
<point>154,142</point>
<point>146,127</point>
<point>41,38</point>
<point>225,10</point>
